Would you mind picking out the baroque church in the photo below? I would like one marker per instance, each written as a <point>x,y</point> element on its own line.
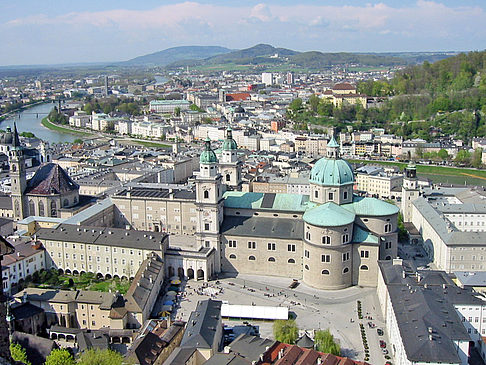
<point>48,192</point>
<point>331,239</point>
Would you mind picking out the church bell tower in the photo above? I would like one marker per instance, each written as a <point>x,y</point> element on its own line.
<point>410,191</point>
<point>18,178</point>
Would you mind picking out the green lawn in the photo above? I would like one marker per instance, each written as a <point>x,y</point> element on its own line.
<point>55,127</point>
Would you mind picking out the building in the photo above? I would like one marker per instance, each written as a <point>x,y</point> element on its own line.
<point>378,183</point>
<point>168,106</point>
<point>428,318</point>
<point>330,239</point>
<point>267,78</point>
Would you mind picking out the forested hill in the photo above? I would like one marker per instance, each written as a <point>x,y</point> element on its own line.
<point>447,97</point>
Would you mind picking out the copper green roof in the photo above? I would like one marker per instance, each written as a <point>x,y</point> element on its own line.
<point>229,143</point>
<point>332,143</point>
<point>332,172</point>
<point>362,236</point>
<point>370,207</point>
<point>208,156</point>
<point>272,201</point>
<point>328,215</point>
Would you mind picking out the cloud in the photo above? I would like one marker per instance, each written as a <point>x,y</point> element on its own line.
<point>423,25</point>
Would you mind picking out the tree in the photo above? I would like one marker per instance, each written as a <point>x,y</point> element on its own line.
<point>476,160</point>
<point>78,141</point>
<point>19,354</point>
<point>285,331</point>
<point>59,357</point>
<point>27,134</point>
<point>314,103</point>
<point>100,357</point>
<point>443,154</point>
<point>177,111</point>
<point>463,157</point>
<point>324,341</point>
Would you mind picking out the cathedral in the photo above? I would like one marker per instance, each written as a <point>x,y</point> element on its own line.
<point>330,239</point>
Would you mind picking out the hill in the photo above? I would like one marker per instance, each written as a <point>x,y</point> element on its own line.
<point>314,59</point>
<point>174,54</point>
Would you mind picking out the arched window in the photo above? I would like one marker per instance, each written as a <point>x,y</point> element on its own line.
<point>388,228</point>
<point>271,259</point>
<point>17,207</point>
<point>325,272</point>
<point>232,256</point>
<point>345,238</point>
<point>228,177</point>
<point>206,194</point>
<point>252,258</point>
<point>345,195</point>
<point>41,209</point>
<point>388,258</point>
<point>307,236</point>
<point>13,167</point>
<point>75,200</point>
<point>307,267</point>
<point>345,270</point>
<point>31,207</point>
<point>326,240</point>
<point>65,203</point>
<point>316,194</point>
<point>291,261</point>
<point>53,209</point>
<point>363,267</point>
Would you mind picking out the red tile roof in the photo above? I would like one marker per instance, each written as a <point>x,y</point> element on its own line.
<point>237,96</point>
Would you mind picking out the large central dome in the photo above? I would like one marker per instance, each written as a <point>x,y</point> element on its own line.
<point>332,172</point>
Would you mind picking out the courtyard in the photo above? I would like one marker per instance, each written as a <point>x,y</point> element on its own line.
<point>312,308</point>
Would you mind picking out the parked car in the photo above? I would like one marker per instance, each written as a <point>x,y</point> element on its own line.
<point>379,331</point>
<point>382,344</point>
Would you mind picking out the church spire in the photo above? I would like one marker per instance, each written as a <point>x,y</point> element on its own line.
<point>16,140</point>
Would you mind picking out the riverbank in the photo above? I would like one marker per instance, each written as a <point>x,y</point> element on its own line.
<point>46,123</point>
<point>22,108</point>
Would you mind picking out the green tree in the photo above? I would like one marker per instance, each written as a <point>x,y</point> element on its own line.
<point>177,111</point>
<point>402,231</point>
<point>60,357</point>
<point>325,342</point>
<point>27,134</point>
<point>19,354</point>
<point>285,331</point>
<point>463,157</point>
<point>476,158</point>
<point>443,154</point>
<point>314,101</point>
<point>100,357</point>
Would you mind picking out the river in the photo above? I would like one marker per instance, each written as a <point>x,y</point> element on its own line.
<point>29,120</point>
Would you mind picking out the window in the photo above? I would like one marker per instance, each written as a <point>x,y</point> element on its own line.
<point>228,177</point>
<point>331,196</point>
<point>41,209</point>
<point>291,261</point>
<point>345,195</point>
<point>252,245</point>
<point>206,226</point>
<point>232,256</point>
<point>365,254</point>
<point>325,258</point>
<point>252,258</point>
<point>345,256</point>
<point>306,254</point>
<point>307,267</point>
<point>307,236</point>
<point>316,194</point>
<point>363,267</point>
<point>271,246</point>
<point>232,243</point>
<point>345,238</point>
<point>388,227</point>
<point>345,270</point>
<point>271,259</point>
<point>388,245</point>
<point>206,194</point>
<point>325,272</point>
<point>291,247</point>
<point>326,240</point>
<point>31,207</point>
<point>207,243</point>
<point>53,209</point>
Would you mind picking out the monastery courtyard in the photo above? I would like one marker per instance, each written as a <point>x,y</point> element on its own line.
<point>313,308</point>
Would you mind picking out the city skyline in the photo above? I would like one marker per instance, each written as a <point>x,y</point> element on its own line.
<point>116,31</point>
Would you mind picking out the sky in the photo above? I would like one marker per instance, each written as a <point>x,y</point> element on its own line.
<point>60,31</point>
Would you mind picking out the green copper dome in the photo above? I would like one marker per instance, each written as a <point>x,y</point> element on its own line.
<point>229,143</point>
<point>208,156</point>
<point>328,215</point>
<point>331,172</point>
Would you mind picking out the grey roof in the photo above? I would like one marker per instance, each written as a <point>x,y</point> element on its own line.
<point>227,359</point>
<point>180,356</point>
<point>5,202</point>
<point>118,237</point>
<point>284,228</point>
<point>144,192</point>
<point>423,303</point>
<point>305,341</point>
<point>250,347</point>
<point>202,326</point>
<point>37,348</point>
<point>104,300</point>
<point>468,278</point>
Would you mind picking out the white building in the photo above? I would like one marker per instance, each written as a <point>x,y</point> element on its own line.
<point>80,120</point>
<point>168,106</point>
<point>267,78</point>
